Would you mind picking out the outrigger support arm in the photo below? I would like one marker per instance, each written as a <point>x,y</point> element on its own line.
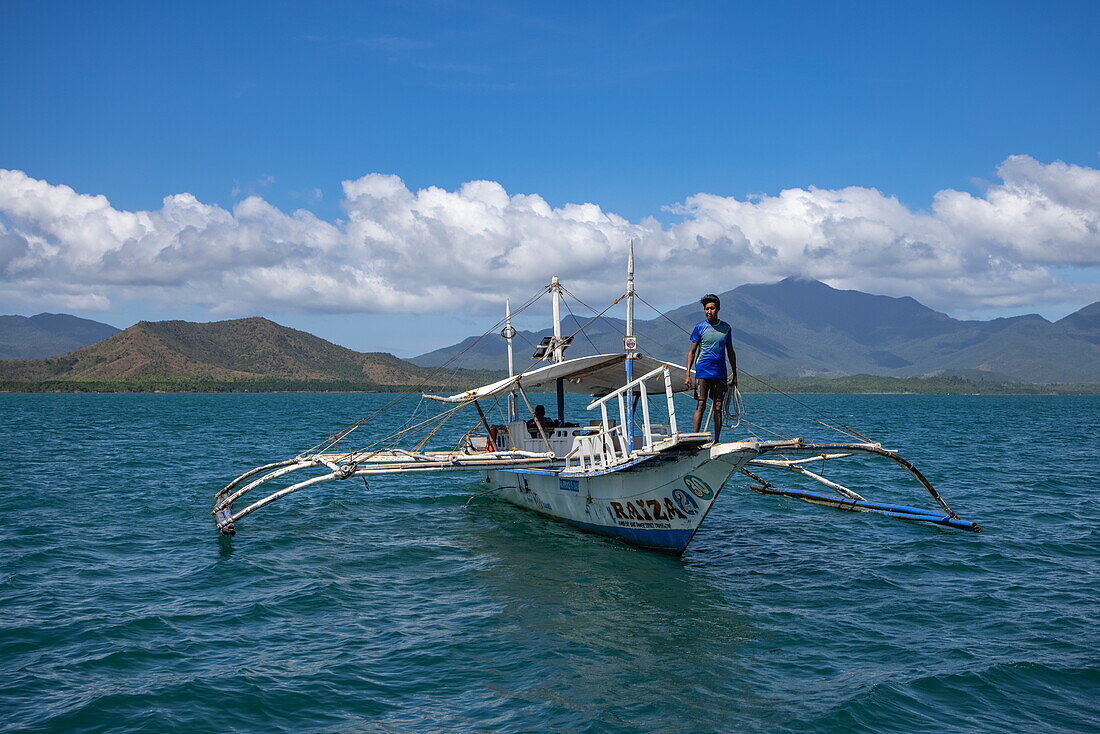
<point>852,501</point>
<point>386,463</point>
<point>869,448</point>
<point>793,466</point>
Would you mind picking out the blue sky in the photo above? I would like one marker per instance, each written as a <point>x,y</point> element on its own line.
<point>633,107</point>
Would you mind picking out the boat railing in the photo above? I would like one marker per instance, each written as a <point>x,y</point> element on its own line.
<point>650,432</point>
<point>600,449</point>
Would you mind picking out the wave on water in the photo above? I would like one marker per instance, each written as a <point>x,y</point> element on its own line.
<point>1009,697</point>
<point>407,606</point>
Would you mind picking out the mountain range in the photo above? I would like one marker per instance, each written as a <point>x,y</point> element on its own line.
<point>794,328</point>
<point>48,334</point>
<point>806,328</point>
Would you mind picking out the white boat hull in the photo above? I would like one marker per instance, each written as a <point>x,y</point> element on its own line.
<point>659,502</point>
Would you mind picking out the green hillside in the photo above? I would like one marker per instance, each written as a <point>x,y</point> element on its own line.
<point>243,354</point>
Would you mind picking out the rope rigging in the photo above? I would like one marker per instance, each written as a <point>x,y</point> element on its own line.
<point>445,368</point>
<point>576,457</point>
<point>733,412</point>
<point>846,430</point>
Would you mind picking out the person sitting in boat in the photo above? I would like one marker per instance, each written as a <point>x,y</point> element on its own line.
<point>540,419</point>
<point>712,344</point>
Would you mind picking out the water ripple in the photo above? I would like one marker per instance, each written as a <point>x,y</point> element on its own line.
<point>399,607</point>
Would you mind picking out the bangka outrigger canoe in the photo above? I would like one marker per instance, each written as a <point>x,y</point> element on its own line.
<point>622,475</point>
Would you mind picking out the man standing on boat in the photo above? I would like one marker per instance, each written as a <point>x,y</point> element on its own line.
<point>712,343</point>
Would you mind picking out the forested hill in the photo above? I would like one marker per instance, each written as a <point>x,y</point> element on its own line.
<point>252,353</point>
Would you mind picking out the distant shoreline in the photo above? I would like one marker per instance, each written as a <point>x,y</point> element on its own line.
<point>1093,393</point>
<point>849,385</point>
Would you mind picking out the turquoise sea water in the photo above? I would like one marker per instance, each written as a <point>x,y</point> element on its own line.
<point>401,608</point>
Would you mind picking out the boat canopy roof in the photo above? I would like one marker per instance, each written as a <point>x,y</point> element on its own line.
<point>597,376</point>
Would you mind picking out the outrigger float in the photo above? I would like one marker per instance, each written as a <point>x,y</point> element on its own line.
<point>631,473</point>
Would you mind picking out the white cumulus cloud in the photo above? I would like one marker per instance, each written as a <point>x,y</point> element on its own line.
<point>438,250</point>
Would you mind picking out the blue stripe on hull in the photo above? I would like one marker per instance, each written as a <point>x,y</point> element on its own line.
<point>672,541</point>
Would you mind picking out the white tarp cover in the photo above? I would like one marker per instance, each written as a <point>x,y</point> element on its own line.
<point>597,376</point>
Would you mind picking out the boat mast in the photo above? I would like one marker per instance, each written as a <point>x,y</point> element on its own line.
<point>630,344</point>
<point>630,296</point>
<point>555,291</point>
<point>509,334</point>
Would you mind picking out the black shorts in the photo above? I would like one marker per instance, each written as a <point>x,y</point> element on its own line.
<point>713,388</point>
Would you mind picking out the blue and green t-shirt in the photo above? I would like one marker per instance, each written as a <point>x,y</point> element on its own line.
<point>712,340</point>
